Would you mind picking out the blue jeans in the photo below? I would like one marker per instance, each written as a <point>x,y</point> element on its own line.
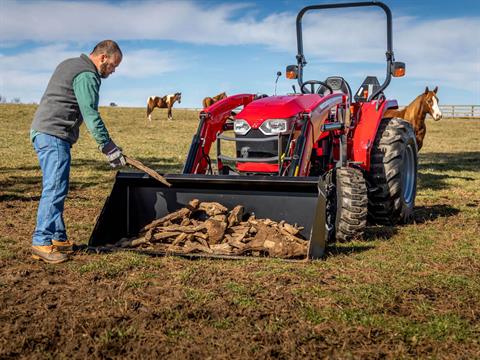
<point>54,157</point>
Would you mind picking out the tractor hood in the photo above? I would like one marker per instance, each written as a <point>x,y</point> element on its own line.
<point>279,107</point>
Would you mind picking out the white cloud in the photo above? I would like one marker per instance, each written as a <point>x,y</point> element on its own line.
<point>65,20</point>
<point>39,59</point>
<point>25,75</point>
<point>352,35</point>
<point>144,63</point>
<point>444,51</point>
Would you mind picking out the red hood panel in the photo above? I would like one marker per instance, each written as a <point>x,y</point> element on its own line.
<point>278,107</point>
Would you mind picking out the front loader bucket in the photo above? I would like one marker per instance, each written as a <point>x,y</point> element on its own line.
<point>137,200</point>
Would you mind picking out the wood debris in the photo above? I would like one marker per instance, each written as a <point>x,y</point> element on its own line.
<point>210,228</point>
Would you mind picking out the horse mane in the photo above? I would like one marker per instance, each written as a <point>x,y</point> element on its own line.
<point>414,110</point>
<point>409,112</point>
<point>171,96</point>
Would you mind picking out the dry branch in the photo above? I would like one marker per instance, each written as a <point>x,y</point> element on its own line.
<point>208,227</point>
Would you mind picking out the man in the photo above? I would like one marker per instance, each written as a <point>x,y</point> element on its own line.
<point>71,98</point>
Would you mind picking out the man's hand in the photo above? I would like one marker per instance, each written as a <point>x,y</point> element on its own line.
<point>114,154</point>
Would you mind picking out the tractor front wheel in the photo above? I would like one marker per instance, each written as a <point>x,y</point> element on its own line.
<point>347,202</point>
<point>392,180</point>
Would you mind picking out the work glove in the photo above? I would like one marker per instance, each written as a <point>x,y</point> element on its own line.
<point>114,154</point>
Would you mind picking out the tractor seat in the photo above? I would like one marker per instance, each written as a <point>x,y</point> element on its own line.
<point>338,85</point>
<point>369,86</point>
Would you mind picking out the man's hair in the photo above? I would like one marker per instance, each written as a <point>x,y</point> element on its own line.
<point>107,47</point>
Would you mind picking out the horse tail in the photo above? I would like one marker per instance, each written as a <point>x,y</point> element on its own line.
<point>149,105</point>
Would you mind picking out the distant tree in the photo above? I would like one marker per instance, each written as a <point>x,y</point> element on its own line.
<point>3,99</point>
<point>16,100</point>
<point>113,104</point>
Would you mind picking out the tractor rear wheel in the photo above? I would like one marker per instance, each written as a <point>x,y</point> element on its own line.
<point>392,180</point>
<point>347,202</point>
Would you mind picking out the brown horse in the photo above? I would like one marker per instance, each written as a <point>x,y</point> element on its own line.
<point>208,101</point>
<point>417,110</point>
<point>162,102</point>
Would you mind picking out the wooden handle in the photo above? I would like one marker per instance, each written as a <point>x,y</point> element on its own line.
<point>138,165</point>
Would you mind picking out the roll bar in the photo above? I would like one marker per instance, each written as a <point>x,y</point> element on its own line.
<point>389,54</point>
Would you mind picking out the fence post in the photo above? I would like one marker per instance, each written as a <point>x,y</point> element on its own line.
<point>466,111</point>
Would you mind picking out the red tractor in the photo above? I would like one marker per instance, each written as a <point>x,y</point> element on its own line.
<point>324,158</point>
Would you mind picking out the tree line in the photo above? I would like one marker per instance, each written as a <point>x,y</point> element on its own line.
<point>15,100</point>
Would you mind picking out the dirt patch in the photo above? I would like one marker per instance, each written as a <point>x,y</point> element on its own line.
<point>408,293</point>
<point>177,308</point>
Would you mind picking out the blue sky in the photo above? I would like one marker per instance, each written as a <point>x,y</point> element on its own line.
<point>201,48</point>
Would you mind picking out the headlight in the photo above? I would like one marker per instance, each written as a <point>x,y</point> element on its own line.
<point>241,127</point>
<point>274,126</point>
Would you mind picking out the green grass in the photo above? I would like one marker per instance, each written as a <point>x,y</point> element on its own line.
<point>404,292</point>
<point>111,265</point>
<point>241,296</point>
<point>113,335</point>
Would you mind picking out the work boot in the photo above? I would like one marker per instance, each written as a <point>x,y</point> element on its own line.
<point>49,254</point>
<point>65,247</point>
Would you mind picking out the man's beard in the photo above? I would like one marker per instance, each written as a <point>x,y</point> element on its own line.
<point>103,70</point>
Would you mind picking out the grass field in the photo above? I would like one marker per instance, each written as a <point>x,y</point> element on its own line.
<point>403,292</point>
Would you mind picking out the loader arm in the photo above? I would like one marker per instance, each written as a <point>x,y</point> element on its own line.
<point>212,120</point>
<point>312,130</point>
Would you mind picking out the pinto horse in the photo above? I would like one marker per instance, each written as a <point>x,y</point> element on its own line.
<point>162,102</point>
<point>416,111</point>
<point>208,101</point>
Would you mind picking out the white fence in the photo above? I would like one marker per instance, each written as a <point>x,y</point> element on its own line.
<point>460,110</point>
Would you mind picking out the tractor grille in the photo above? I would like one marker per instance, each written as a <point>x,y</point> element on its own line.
<point>255,149</point>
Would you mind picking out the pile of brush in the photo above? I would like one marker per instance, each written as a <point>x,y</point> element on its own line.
<point>210,228</point>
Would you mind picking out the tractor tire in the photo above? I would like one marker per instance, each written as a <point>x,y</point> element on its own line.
<point>347,203</point>
<point>392,180</point>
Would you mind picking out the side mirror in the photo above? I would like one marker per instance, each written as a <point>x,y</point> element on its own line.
<point>398,69</point>
<point>292,72</point>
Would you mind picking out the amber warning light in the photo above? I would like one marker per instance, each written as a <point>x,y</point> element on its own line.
<point>398,69</point>
<point>399,72</point>
<point>291,75</point>
<point>291,72</point>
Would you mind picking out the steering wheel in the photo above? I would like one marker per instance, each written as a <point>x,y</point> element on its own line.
<point>312,84</point>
